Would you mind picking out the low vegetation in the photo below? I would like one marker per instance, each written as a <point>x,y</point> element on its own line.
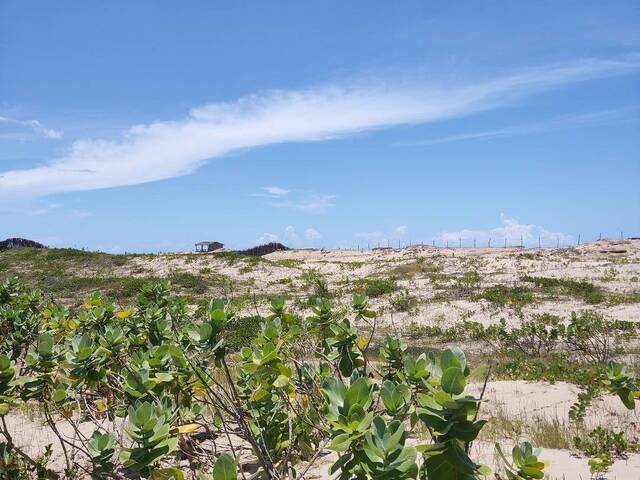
<point>151,391</point>
<point>502,295</point>
<point>375,287</point>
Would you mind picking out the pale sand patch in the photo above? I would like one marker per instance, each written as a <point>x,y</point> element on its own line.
<point>524,401</point>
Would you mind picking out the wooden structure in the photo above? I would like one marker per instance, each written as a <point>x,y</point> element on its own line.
<point>208,246</point>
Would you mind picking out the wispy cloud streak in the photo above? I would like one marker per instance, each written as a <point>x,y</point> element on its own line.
<point>162,150</point>
<point>35,126</point>
<point>553,125</point>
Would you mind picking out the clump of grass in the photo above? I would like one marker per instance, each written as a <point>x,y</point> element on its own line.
<point>541,431</point>
<point>231,258</point>
<point>289,262</point>
<point>420,266</point>
<point>469,280</point>
<point>404,302</point>
<point>376,287</point>
<point>188,281</point>
<point>503,295</point>
<point>589,292</point>
<point>314,282</point>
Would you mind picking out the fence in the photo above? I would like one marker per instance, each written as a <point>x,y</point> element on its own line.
<point>489,242</point>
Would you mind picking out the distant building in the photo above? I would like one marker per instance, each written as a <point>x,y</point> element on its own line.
<point>208,246</point>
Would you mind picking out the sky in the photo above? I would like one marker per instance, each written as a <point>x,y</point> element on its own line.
<point>148,126</point>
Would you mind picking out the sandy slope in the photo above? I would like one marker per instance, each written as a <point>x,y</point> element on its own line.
<point>526,401</point>
<point>283,272</point>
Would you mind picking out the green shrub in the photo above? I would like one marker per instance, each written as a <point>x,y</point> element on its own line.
<point>606,441</point>
<point>503,295</point>
<point>577,288</point>
<point>404,302</point>
<point>597,337</point>
<point>239,332</point>
<point>534,337</point>
<point>375,287</point>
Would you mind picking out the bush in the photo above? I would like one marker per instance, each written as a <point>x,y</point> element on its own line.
<point>605,441</point>
<point>376,287</point>
<point>596,337</point>
<point>578,288</point>
<point>240,331</point>
<point>503,295</point>
<point>537,336</point>
<point>404,302</point>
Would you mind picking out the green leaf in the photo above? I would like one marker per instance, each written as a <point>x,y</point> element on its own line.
<point>225,468</point>
<point>281,381</point>
<point>358,393</point>
<point>453,380</point>
<point>449,359</point>
<point>340,443</point>
<point>167,474</point>
<point>59,395</point>
<point>45,344</point>
<point>466,431</point>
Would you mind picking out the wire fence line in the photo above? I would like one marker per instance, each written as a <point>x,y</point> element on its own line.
<point>489,242</point>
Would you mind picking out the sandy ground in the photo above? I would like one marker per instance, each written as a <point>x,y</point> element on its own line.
<point>563,464</point>
<point>525,401</point>
<point>612,265</point>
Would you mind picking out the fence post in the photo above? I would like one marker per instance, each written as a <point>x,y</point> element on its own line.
<point>489,243</point>
<point>578,239</point>
<point>474,243</point>
<point>539,242</point>
<point>459,242</point>
<point>521,241</point>
<point>505,242</point>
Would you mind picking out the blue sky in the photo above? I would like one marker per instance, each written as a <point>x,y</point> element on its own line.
<point>149,125</point>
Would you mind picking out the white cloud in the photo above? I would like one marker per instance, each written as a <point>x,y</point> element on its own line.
<point>292,238</point>
<point>312,235</point>
<point>307,203</point>
<point>277,191</point>
<point>266,238</point>
<point>511,230</point>
<point>272,192</point>
<point>553,125</point>
<point>35,126</point>
<point>299,200</point>
<point>42,209</point>
<point>290,235</point>
<point>402,230</point>
<point>166,149</point>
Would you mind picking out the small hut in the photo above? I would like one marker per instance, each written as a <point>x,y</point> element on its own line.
<point>208,246</point>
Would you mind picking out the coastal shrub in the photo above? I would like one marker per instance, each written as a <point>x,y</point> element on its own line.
<point>577,288</point>
<point>375,287</point>
<point>165,386</point>
<point>503,295</point>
